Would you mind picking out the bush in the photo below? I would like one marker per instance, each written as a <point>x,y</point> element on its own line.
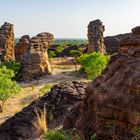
<point>93,64</point>
<point>60,48</point>
<point>76,54</point>
<point>8,88</point>
<point>46,88</point>
<point>12,65</point>
<point>51,54</point>
<point>57,135</point>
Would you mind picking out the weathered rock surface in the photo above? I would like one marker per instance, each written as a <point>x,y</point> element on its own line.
<point>112,104</point>
<point>7,42</point>
<point>112,43</point>
<point>58,103</point>
<point>95,37</point>
<point>35,61</point>
<point>21,47</point>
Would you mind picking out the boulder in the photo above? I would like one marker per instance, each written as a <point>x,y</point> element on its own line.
<point>21,47</point>
<point>95,37</point>
<point>6,42</point>
<point>111,108</point>
<point>58,103</point>
<point>35,61</point>
<point>112,43</point>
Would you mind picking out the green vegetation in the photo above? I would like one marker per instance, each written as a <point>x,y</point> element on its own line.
<point>51,54</point>
<point>76,54</point>
<point>46,88</point>
<point>66,42</point>
<point>63,135</point>
<point>12,65</point>
<point>93,137</point>
<point>93,64</point>
<point>60,49</point>
<point>56,135</point>
<point>8,88</point>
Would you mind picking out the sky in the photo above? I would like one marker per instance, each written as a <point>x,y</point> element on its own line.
<point>69,18</point>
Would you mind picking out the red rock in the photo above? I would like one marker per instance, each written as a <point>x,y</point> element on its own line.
<point>6,42</point>
<point>112,104</point>
<point>95,37</point>
<point>35,61</point>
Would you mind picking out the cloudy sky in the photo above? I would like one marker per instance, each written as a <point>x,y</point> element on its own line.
<point>69,18</point>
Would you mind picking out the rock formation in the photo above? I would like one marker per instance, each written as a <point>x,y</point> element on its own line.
<point>112,43</point>
<point>6,42</point>
<point>111,108</point>
<point>95,37</point>
<point>35,61</point>
<point>21,47</point>
<point>58,102</point>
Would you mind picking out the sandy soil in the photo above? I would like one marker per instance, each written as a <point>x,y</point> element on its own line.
<point>30,90</point>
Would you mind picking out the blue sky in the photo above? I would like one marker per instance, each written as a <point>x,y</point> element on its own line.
<point>69,18</point>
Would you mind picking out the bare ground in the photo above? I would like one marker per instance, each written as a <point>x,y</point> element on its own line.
<point>30,90</point>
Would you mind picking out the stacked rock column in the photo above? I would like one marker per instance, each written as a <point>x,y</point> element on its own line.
<point>7,42</point>
<point>95,37</point>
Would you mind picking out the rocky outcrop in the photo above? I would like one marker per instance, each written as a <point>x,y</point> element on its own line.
<point>35,61</point>
<point>95,37</point>
<point>58,103</point>
<point>111,108</point>
<point>112,43</point>
<point>7,42</point>
<point>21,47</point>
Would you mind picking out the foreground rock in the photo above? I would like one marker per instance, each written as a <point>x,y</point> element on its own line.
<point>7,42</point>
<point>35,61</point>
<point>111,108</point>
<point>95,37</point>
<point>21,47</point>
<point>58,102</point>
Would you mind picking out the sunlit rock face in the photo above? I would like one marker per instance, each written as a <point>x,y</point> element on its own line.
<point>95,37</point>
<point>21,47</point>
<point>6,42</point>
<point>112,104</point>
<point>35,61</point>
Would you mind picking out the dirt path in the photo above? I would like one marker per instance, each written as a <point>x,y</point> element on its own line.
<point>30,90</point>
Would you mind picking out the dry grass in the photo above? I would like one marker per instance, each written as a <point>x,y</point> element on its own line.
<point>40,120</point>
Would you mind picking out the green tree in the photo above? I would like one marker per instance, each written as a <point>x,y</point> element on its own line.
<point>8,88</point>
<point>93,64</point>
<point>51,54</point>
<point>12,65</point>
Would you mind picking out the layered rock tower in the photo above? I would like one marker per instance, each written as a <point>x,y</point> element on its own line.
<point>35,61</point>
<point>7,42</point>
<point>95,37</point>
<point>21,47</point>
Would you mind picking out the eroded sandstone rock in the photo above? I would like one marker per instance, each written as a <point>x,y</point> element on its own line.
<point>21,47</point>
<point>111,108</point>
<point>95,37</point>
<point>7,42</point>
<point>58,103</point>
<point>35,61</point>
<point>112,43</point>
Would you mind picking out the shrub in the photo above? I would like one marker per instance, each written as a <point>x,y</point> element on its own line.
<point>8,88</point>
<point>57,135</point>
<point>76,54</point>
<point>46,88</point>
<point>51,54</point>
<point>93,137</point>
<point>40,120</point>
<point>93,64</point>
<point>60,48</point>
<point>12,65</point>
